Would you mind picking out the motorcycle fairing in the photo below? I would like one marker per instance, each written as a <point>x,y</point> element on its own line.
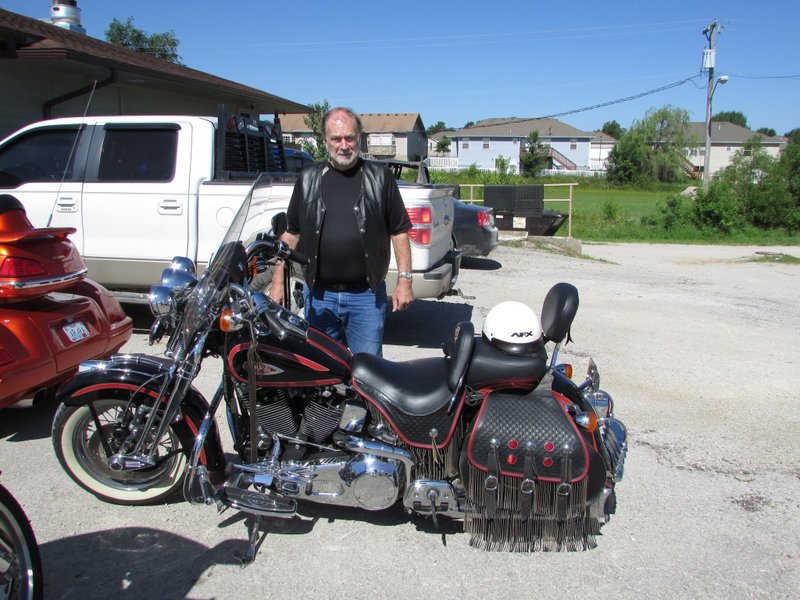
<point>413,396</point>
<point>535,421</point>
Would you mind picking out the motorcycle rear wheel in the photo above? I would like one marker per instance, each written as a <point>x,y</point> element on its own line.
<point>20,563</point>
<point>80,451</point>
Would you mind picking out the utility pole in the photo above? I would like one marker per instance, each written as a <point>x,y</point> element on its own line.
<point>709,62</point>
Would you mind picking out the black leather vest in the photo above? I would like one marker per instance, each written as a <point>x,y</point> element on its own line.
<point>370,213</point>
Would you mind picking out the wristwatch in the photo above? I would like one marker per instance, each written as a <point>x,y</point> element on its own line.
<point>405,275</point>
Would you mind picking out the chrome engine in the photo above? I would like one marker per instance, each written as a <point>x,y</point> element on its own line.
<point>374,473</point>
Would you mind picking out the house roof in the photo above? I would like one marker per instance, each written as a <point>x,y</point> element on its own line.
<point>439,135</point>
<point>391,122</point>
<point>294,124</point>
<point>24,38</point>
<point>723,132</point>
<point>372,122</point>
<point>598,137</point>
<point>514,127</point>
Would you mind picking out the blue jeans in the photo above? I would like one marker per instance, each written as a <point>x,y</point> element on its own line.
<point>352,318</point>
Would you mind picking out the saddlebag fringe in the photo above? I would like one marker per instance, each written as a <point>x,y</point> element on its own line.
<point>542,531</point>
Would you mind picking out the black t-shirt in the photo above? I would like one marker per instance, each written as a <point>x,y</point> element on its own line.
<point>341,251</point>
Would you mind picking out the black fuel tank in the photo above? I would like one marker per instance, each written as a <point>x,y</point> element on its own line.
<point>318,360</point>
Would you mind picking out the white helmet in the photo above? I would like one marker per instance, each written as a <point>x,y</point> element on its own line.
<point>514,328</point>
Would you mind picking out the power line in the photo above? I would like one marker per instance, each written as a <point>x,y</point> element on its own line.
<point>743,76</point>
<point>621,100</point>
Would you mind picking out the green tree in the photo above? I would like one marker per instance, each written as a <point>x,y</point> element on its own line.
<point>755,189</point>
<point>653,149</point>
<point>313,121</point>
<point>768,131</point>
<point>469,124</point>
<point>535,157</point>
<point>731,116</point>
<point>436,128</point>
<point>613,129</point>
<point>159,45</point>
<point>443,145</point>
<point>793,135</point>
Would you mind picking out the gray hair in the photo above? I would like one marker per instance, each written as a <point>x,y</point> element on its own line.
<point>345,110</point>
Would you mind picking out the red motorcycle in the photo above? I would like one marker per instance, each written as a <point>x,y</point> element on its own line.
<point>51,317</point>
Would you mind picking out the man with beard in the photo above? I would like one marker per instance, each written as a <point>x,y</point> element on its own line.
<point>343,215</point>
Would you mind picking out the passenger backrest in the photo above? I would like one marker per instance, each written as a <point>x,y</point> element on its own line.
<point>558,310</point>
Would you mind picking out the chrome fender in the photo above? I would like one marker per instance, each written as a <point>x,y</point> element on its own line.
<point>125,374</point>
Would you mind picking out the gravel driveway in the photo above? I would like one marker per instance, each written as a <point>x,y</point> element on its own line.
<point>699,345</point>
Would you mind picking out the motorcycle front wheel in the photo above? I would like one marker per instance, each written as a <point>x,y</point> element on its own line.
<point>20,564</point>
<point>80,448</point>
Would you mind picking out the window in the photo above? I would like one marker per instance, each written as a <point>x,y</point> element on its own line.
<point>380,139</point>
<point>287,138</point>
<point>40,155</point>
<point>573,144</point>
<point>485,143</point>
<point>465,144</point>
<point>138,154</point>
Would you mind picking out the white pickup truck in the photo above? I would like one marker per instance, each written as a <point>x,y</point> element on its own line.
<point>143,189</point>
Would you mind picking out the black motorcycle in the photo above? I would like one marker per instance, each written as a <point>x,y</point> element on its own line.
<point>20,564</point>
<point>498,437</point>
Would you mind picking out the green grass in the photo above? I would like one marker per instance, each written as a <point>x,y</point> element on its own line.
<point>601,212</point>
<point>786,259</point>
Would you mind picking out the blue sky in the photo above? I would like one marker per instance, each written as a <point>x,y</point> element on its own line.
<point>468,60</point>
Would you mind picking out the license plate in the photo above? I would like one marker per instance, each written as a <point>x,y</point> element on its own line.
<point>76,331</point>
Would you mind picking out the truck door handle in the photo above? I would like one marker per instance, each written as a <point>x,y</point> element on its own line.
<point>169,206</point>
<point>65,204</point>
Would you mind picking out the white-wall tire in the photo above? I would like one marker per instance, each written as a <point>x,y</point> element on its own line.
<point>78,448</point>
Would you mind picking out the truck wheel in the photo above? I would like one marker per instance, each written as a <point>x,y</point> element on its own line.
<point>78,444</point>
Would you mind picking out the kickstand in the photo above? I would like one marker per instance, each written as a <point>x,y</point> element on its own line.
<point>253,542</point>
<point>432,495</point>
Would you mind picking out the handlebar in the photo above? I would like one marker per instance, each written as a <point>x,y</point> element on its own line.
<point>281,322</point>
<point>277,248</point>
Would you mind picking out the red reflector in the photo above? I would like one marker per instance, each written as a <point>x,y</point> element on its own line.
<point>420,236</point>
<point>548,446</point>
<point>548,462</point>
<point>420,215</point>
<point>20,267</point>
<point>512,460</point>
<point>513,444</point>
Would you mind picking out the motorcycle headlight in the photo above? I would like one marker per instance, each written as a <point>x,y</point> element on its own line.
<point>162,302</point>
<point>182,263</point>
<point>177,279</point>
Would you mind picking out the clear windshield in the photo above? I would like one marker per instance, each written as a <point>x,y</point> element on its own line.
<point>228,261</point>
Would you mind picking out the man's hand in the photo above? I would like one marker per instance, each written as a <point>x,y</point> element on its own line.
<point>276,291</point>
<point>403,295</point>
